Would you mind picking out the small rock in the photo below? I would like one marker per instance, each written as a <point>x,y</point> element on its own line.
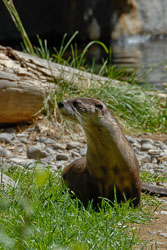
<point>20,161</point>
<point>83,151</point>
<point>146,146</point>
<point>24,140</point>
<point>163,234</point>
<point>20,150</point>
<point>136,145</point>
<point>42,139</point>
<point>75,154</point>
<point>35,152</point>
<point>131,139</point>
<point>50,150</point>
<point>6,137</point>
<point>50,141</point>
<point>147,133</point>
<point>72,145</point>
<point>59,146</point>
<point>158,143</point>
<point>154,152</point>
<point>62,157</point>
<point>163,147</point>
<point>5,153</point>
<point>22,135</point>
<point>150,141</point>
<point>154,160</point>
<point>163,212</point>
<point>58,136</point>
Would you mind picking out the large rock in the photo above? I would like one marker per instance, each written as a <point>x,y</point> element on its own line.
<point>141,17</point>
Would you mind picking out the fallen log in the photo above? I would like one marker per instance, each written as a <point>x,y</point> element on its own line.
<point>25,81</point>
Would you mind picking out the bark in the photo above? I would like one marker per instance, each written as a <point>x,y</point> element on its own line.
<point>25,81</point>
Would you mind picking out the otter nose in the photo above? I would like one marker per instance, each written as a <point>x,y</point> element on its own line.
<point>60,105</point>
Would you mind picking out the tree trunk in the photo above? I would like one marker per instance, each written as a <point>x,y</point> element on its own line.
<point>25,81</point>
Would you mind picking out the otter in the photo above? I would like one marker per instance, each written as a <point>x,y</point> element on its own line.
<point>110,168</point>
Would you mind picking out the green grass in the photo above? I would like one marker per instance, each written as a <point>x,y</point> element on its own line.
<point>131,104</point>
<point>154,177</point>
<point>40,214</point>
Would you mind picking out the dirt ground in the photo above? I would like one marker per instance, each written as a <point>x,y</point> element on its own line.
<point>156,230</point>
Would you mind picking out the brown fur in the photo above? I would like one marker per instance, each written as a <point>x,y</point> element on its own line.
<point>110,164</point>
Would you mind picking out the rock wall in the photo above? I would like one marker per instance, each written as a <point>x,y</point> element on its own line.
<point>94,19</point>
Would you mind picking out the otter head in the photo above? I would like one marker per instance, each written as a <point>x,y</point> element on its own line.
<point>84,111</point>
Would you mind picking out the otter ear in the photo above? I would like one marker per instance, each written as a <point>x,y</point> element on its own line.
<point>99,106</point>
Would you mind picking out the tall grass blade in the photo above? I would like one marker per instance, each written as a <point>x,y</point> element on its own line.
<point>16,19</point>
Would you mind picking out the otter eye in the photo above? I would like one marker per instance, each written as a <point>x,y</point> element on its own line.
<point>76,104</point>
<point>99,106</point>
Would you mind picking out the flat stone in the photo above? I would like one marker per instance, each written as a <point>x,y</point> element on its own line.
<point>146,146</point>
<point>5,153</point>
<point>50,150</point>
<point>136,145</point>
<point>72,145</point>
<point>35,152</point>
<point>21,161</point>
<point>59,146</point>
<point>22,135</point>
<point>163,147</point>
<point>131,139</point>
<point>150,141</point>
<point>154,152</point>
<point>42,139</point>
<point>164,212</point>
<point>158,143</point>
<point>50,141</point>
<point>163,234</point>
<point>6,137</point>
<point>75,154</point>
<point>24,140</point>
<point>62,157</point>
